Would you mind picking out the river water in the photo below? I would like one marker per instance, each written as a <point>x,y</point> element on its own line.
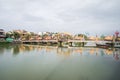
<point>34,62</point>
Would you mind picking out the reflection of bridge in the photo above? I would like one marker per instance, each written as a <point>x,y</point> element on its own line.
<point>71,50</point>
<point>66,41</point>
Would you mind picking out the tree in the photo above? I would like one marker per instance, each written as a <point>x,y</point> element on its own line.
<point>9,34</point>
<point>83,36</point>
<point>102,37</point>
<point>28,36</point>
<point>16,35</point>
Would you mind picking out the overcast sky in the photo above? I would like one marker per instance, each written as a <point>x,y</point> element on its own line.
<point>75,16</point>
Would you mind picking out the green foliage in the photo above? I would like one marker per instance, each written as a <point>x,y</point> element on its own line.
<point>9,34</point>
<point>102,36</point>
<point>27,36</point>
<point>82,35</point>
<point>16,35</point>
<point>78,44</point>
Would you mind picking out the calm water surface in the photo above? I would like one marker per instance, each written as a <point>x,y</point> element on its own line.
<point>34,62</point>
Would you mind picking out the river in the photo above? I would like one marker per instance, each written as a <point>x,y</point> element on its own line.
<point>34,62</point>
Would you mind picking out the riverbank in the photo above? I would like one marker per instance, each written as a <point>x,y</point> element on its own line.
<point>4,43</point>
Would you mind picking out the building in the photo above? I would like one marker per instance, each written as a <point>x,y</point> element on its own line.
<point>108,38</point>
<point>2,35</point>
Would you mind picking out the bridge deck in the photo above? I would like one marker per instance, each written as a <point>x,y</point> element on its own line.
<point>65,41</point>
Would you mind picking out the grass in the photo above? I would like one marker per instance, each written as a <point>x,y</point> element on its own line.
<point>4,43</point>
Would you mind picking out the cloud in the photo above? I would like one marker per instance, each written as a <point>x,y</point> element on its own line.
<point>76,16</point>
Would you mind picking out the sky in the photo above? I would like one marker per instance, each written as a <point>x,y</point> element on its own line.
<point>74,16</point>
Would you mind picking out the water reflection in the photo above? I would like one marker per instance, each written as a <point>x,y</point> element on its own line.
<point>16,49</point>
<point>3,48</point>
<point>116,54</point>
<point>34,62</point>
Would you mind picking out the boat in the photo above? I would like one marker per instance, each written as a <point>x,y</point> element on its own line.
<point>104,45</point>
<point>108,45</point>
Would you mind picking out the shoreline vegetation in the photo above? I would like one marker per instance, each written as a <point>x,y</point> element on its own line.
<point>63,39</point>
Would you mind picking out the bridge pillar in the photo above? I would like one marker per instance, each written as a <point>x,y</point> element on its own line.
<point>70,44</point>
<point>60,43</point>
<point>83,44</point>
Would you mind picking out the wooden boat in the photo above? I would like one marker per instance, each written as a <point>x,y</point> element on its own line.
<point>102,45</point>
<point>108,45</point>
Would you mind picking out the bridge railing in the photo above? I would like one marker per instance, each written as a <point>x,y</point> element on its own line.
<point>40,41</point>
<point>64,41</point>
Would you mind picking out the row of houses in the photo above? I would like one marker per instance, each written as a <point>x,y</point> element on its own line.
<point>26,35</point>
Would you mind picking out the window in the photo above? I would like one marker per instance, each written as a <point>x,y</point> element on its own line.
<point>1,33</point>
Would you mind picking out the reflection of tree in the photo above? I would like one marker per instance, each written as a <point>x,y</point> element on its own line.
<point>1,49</point>
<point>96,50</point>
<point>108,51</point>
<point>48,49</point>
<point>5,47</point>
<point>16,50</point>
<point>102,53</point>
<point>39,48</point>
<point>80,50</point>
<point>21,48</point>
<point>92,51</point>
<point>63,51</point>
<point>29,48</point>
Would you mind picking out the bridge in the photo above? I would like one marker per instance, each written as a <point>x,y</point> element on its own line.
<point>70,42</point>
<point>100,41</point>
<point>39,41</point>
<point>86,41</point>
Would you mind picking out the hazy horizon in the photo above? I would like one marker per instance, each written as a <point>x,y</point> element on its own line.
<point>74,16</point>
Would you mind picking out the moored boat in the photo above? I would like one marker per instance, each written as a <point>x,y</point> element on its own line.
<point>108,45</point>
<point>102,45</point>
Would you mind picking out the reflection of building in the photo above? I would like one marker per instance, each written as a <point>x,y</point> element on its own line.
<point>108,51</point>
<point>48,49</point>
<point>116,54</point>
<point>92,51</point>
<point>67,51</point>
<point>64,51</point>
<point>79,50</point>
